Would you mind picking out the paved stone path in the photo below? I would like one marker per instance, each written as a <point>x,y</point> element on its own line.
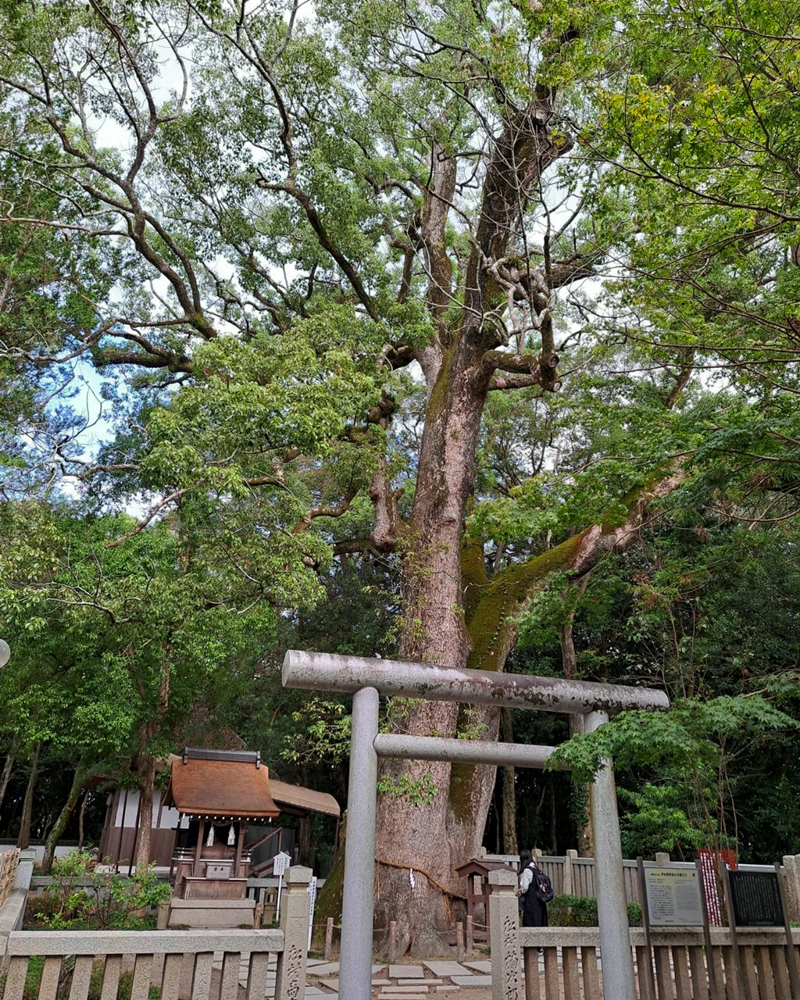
<point>469,980</point>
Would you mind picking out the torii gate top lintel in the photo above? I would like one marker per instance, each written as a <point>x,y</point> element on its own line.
<point>347,674</point>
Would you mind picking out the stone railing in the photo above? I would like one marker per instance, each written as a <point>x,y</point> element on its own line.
<point>179,963</point>
<point>568,967</point>
<point>9,861</point>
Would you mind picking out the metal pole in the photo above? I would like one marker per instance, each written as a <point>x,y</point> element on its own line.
<point>612,908</point>
<point>355,974</point>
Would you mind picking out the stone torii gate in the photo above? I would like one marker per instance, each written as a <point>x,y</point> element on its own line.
<point>367,679</point>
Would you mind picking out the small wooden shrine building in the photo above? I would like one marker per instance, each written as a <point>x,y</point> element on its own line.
<point>219,792</point>
<point>476,871</point>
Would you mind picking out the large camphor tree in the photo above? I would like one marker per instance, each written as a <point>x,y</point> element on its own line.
<point>298,208</point>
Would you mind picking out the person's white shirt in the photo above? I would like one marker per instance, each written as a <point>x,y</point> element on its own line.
<point>525,879</point>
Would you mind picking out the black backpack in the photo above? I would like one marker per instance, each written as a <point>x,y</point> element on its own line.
<point>542,886</point>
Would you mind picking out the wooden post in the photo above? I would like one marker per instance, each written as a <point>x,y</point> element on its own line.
<point>792,886</point>
<point>135,834</point>
<point>737,958</point>
<point>470,936</point>
<point>201,829</point>
<point>237,857</point>
<point>715,987</point>
<point>648,943</point>
<point>794,975</point>
<point>460,954</point>
<point>392,941</point>
<point>121,829</point>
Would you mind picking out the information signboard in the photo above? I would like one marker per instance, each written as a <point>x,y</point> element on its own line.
<point>280,863</point>
<point>312,902</point>
<point>756,899</point>
<point>673,897</point>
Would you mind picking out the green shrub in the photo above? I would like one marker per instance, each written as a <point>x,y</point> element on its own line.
<point>581,911</point>
<point>82,898</point>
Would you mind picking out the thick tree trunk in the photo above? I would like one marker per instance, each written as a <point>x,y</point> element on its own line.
<point>146,784</point>
<point>8,767</point>
<point>510,843</point>
<point>60,825</point>
<point>416,847</point>
<point>24,839</point>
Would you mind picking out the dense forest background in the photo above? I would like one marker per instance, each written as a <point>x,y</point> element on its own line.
<point>456,332</point>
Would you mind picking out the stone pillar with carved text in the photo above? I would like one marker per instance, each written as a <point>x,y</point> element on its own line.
<point>290,975</point>
<point>506,964</point>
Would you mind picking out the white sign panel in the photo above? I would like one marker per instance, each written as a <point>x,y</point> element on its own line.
<point>673,897</point>
<point>312,894</point>
<point>280,863</point>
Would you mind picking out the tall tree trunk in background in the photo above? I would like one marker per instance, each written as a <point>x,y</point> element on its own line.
<point>569,665</point>
<point>510,844</point>
<point>24,839</point>
<point>60,825</point>
<point>147,778</point>
<point>82,817</point>
<point>8,767</point>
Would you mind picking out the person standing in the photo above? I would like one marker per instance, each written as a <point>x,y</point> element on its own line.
<point>534,891</point>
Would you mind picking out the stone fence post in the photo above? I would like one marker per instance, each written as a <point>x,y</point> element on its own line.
<point>504,910</point>
<point>22,879</point>
<point>568,880</point>
<point>290,975</point>
<point>791,871</point>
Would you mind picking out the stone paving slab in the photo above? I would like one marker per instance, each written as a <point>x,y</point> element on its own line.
<point>324,969</point>
<point>448,969</point>
<point>406,972</point>
<point>417,994</point>
<point>472,980</point>
<point>403,991</point>
<point>483,967</point>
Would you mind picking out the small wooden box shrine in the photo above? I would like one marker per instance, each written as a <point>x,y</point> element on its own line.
<point>219,792</point>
